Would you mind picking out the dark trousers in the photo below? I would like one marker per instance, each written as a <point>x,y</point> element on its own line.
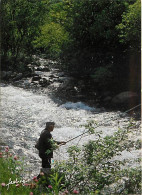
<point>46,162</point>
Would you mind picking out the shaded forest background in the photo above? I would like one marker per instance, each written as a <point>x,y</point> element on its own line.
<point>95,39</point>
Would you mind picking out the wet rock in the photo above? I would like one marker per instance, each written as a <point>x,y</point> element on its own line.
<point>61,74</point>
<point>35,83</point>
<point>106,93</point>
<point>36,78</point>
<point>107,99</point>
<point>3,74</point>
<point>60,80</point>
<point>28,74</point>
<point>44,82</point>
<point>14,74</point>
<point>124,97</point>
<point>35,74</point>
<point>53,76</point>
<point>42,68</point>
<point>6,75</point>
<point>68,82</point>
<point>18,77</point>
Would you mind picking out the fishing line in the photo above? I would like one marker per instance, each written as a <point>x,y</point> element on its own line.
<point>120,115</point>
<point>106,119</point>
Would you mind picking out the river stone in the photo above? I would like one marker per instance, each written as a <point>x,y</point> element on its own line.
<point>6,75</point>
<point>42,68</point>
<point>44,82</point>
<point>61,74</point>
<point>36,78</point>
<point>3,74</point>
<point>18,77</point>
<point>124,97</point>
<point>107,99</point>
<point>54,76</point>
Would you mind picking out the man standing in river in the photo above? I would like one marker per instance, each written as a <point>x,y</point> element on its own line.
<point>46,145</point>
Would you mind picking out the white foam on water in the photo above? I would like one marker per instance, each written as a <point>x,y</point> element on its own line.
<point>77,106</point>
<point>24,115</point>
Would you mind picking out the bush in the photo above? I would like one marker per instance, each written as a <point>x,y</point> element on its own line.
<point>91,168</point>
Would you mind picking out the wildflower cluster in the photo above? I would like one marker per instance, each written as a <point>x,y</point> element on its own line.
<point>10,179</point>
<point>6,154</point>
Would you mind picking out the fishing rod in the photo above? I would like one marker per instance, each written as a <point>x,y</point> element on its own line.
<point>76,137</point>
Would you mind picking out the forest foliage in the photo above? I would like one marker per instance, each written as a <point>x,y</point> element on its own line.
<point>88,36</point>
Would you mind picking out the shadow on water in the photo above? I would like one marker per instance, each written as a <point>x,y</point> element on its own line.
<point>78,101</point>
<point>80,97</point>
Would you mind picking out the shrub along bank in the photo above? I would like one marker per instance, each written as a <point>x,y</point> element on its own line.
<point>90,169</point>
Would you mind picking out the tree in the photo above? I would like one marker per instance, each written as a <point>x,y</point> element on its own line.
<point>130,36</point>
<point>20,24</point>
<point>51,40</point>
<point>54,34</point>
<point>94,36</point>
<point>130,27</point>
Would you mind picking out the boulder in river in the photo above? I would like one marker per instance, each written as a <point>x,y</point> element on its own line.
<point>43,68</point>
<point>18,77</point>
<point>44,82</point>
<point>107,99</point>
<point>125,97</point>
<point>36,78</point>
<point>6,75</point>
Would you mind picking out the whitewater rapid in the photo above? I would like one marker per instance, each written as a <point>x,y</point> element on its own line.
<point>24,114</point>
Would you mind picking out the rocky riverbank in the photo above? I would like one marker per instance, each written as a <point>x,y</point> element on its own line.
<point>43,76</point>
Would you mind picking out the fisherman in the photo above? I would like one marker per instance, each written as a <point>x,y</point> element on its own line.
<point>46,145</point>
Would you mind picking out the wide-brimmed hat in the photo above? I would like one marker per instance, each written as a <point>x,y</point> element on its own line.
<point>50,123</point>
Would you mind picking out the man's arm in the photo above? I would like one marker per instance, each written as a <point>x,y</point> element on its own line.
<point>60,143</point>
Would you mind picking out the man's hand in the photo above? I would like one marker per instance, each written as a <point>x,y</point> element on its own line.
<point>62,143</point>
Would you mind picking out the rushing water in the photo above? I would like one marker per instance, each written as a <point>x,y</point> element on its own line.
<point>25,113</point>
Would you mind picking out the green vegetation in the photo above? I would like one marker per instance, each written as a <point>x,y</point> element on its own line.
<point>19,27</point>
<point>10,168</point>
<point>100,39</point>
<point>90,169</point>
<point>130,27</point>
<point>89,36</point>
<point>52,37</point>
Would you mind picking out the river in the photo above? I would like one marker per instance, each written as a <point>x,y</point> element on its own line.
<point>24,114</point>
